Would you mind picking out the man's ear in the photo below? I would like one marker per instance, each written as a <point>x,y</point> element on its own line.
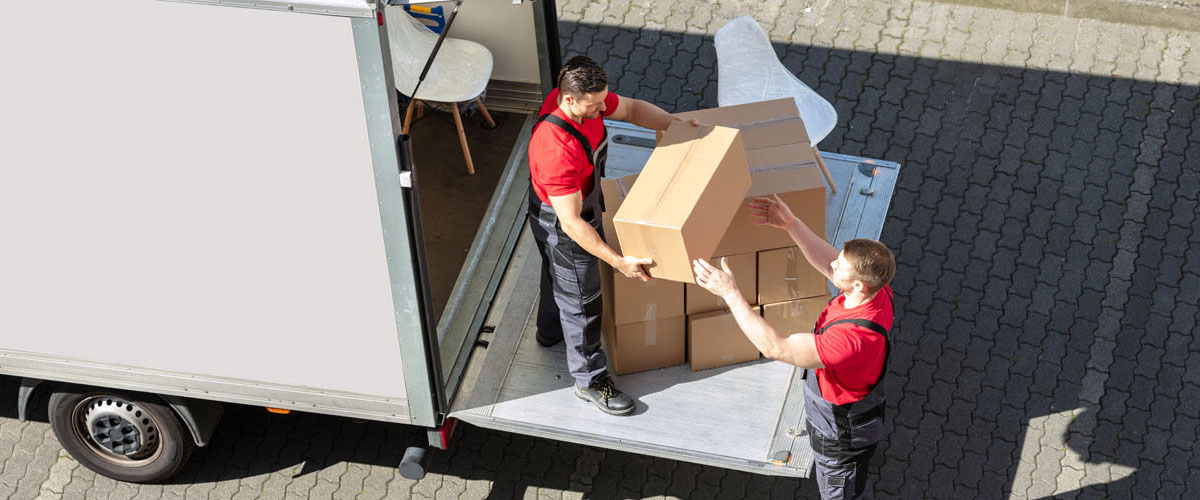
<point>859,286</point>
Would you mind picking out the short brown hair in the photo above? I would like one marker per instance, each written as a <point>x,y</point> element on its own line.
<point>870,262</point>
<point>581,75</point>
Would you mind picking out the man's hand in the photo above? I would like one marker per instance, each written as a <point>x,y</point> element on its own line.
<point>719,282</point>
<point>631,267</point>
<point>771,212</point>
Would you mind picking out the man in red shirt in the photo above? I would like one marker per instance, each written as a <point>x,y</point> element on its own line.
<point>567,150</point>
<point>846,355</point>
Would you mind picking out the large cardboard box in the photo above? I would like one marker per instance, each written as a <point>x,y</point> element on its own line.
<point>794,316</point>
<point>743,235</point>
<point>614,191</point>
<point>684,199</point>
<point>633,300</point>
<point>784,274</point>
<point>781,160</point>
<point>645,345</point>
<point>745,272</point>
<point>714,339</point>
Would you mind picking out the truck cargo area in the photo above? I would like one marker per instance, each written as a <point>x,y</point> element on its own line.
<point>744,417</point>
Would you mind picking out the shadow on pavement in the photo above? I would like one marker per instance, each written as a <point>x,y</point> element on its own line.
<point>1045,230</point>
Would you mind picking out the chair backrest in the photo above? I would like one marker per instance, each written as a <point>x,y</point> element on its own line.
<point>749,71</point>
<point>459,72</point>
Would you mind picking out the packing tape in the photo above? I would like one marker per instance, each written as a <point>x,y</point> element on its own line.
<point>793,310</point>
<point>687,159</point>
<point>792,274</point>
<point>780,166</point>
<point>727,358</point>
<point>651,332</point>
<point>622,189</point>
<point>651,312</point>
<point>763,123</point>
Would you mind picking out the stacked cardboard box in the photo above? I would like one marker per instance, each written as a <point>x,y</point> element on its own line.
<point>782,162</point>
<point>691,201</point>
<point>643,321</point>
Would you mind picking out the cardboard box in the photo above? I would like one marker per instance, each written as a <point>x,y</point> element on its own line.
<point>614,191</point>
<point>714,340</point>
<point>633,300</point>
<point>745,272</point>
<point>796,316</point>
<point>645,345</point>
<point>684,199</point>
<point>784,274</point>
<point>781,160</point>
<point>743,235</point>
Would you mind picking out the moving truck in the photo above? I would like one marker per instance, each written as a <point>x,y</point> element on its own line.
<point>210,202</point>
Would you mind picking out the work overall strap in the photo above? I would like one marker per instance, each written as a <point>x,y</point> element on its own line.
<point>598,157</point>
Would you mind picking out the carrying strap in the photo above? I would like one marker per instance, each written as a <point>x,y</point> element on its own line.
<point>573,132</point>
<point>597,170</point>
<point>873,326</point>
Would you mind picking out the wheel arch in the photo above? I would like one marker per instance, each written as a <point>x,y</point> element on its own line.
<point>198,415</point>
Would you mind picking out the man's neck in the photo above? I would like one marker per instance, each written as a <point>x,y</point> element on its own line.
<point>562,106</point>
<point>855,299</point>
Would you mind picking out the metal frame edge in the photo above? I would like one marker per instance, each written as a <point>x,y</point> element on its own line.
<point>382,116</point>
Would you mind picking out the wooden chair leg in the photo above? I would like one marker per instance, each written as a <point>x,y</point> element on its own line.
<point>408,112</point>
<point>420,109</point>
<point>824,170</point>
<point>462,138</point>
<point>486,116</point>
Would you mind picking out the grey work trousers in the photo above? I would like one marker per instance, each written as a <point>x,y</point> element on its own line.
<point>570,305</point>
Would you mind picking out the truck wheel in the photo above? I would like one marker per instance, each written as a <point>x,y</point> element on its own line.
<point>123,435</point>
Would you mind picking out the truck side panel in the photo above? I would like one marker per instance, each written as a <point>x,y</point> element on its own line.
<point>189,190</point>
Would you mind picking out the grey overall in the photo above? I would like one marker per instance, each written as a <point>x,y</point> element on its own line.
<point>570,304</point>
<point>844,437</point>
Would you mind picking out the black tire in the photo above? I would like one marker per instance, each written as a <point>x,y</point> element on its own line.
<point>151,443</point>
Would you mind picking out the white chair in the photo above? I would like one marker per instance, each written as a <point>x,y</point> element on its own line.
<point>749,71</point>
<point>459,73</point>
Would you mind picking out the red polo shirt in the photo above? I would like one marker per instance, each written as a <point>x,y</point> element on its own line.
<point>558,164</point>
<point>852,354</point>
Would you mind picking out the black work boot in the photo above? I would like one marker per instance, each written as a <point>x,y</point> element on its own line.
<point>547,341</point>
<point>605,395</point>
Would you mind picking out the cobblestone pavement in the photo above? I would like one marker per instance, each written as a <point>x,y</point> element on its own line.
<point>1049,270</point>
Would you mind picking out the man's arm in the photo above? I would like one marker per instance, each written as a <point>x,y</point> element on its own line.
<point>774,212</point>
<point>568,208</point>
<point>642,114</point>
<point>799,349</point>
